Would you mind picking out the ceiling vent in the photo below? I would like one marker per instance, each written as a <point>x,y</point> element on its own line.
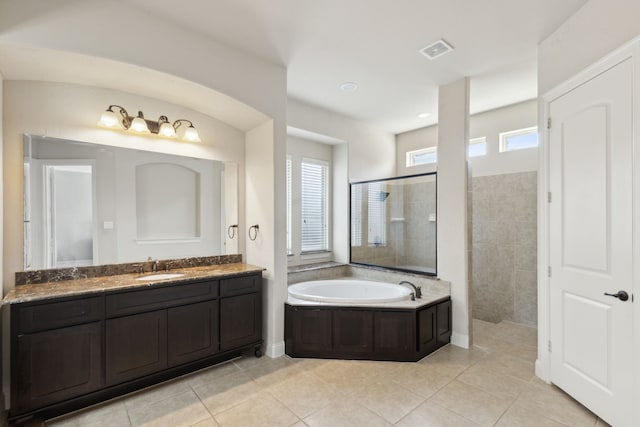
<point>436,49</point>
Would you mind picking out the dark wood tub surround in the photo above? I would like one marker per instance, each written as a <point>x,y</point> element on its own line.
<point>72,350</point>
<point>367,332</point>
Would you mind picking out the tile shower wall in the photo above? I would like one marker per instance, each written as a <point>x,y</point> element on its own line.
<point>504,247</point>
<point>420,226</point>
<point>411,229</point>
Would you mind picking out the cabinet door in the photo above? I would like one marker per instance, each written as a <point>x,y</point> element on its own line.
<point>240,320</point>
<point>56,365</point>
<point>444,323</point>
<point>395,334</point>
<point>353,331</point>
<point>193,332</point>
<point>136,346</point>
<point>311,330</point>
<point>427,337</point>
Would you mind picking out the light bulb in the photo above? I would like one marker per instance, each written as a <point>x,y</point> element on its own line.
<point>139,125</point>
<point>110,119</point>
<point>191,134</point>
<point>166,130</point>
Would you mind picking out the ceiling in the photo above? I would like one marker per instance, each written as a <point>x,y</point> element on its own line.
<point>376,43</point>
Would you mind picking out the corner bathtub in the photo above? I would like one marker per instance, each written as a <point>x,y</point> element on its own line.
<point>346,291</point>
<point>362,319</point>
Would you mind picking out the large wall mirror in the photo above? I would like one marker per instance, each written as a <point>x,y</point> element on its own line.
<point>89,204</point>
<point>393,223</point>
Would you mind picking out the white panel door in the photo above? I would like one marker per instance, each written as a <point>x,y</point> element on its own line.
<point>590,226</point>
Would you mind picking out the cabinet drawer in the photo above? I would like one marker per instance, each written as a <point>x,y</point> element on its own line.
<point>156,298</point>
<point>240,285</point>
<point>54,315</point>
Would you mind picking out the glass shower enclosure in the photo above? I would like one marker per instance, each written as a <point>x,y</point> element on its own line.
<point>393,223</point>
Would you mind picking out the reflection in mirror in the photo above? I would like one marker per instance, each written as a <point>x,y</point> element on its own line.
<point>88,204</point>
<point>393,223</point>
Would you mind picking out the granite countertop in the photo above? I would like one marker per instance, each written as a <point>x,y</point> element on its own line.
<point>96,285</point>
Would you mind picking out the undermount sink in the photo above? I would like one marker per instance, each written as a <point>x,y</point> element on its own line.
<point>161,276</point>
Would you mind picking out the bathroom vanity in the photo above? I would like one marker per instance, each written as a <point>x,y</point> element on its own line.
<point>84,341</point>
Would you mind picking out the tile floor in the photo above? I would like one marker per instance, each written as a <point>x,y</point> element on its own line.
<point>491,384</point>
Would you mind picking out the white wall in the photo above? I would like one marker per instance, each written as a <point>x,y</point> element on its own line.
<point>411,141</point>
<point>340,239</point>
<point>488,124</point>
<point>371,150</point>
<point>133,36</point>
<point>35,108</point>
<point>266,208</point>
<point>368,153</point>
<point>4,313</point>
<point>599,27</point>
<point>298,149</point>
<point>453,134</point>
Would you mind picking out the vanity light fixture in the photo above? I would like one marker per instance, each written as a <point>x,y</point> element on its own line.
<point>120,119</point>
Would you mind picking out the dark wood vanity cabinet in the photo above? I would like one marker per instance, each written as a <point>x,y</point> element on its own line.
<point>136,345</point>
<point>55,365</point>
<point>193,332</point>
<point>367,332</point>
<point>72,352</point>
<point>56,351</point>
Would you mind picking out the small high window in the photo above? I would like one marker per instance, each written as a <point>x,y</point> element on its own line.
<point>422,157</point>
<point>519,139</point>
<point>478,146</point>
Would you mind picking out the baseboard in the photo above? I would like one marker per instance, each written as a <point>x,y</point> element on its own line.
<point>275,350</point>
<point>542,370</point>
<point>460,340</point>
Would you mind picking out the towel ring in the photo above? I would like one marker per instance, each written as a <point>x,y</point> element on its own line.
<point>255,229</point>
<point>231,231</point>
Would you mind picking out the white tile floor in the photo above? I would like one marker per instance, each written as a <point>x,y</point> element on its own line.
<point>492,383</point>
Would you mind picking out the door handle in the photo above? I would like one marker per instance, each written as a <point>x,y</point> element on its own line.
<point>621,295</point>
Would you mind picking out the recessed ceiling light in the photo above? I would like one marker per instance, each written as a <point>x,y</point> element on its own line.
<point>349,86</point>
<point>423,115</point>
<point>436,49</point>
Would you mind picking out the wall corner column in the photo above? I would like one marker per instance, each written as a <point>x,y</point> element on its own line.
<point>265,206</point>
<point>452,225</point>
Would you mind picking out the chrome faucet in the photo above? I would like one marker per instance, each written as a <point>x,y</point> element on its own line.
<point>417,289</point>
<point>154,268</point>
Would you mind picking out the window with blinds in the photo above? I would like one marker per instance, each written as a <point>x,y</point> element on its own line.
<point>289,247</point>
<point>314,206</point>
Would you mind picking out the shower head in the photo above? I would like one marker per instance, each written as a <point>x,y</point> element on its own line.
<point>382,196</point>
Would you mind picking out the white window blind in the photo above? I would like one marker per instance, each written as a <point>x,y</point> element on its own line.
<point>356,215</point>
<point>377,215</point>
<point>289,250</point>
<point>314,206</point>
